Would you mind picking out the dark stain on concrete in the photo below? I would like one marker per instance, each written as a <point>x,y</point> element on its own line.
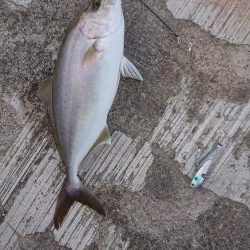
<point>39,241</point>
<point>225,226</point>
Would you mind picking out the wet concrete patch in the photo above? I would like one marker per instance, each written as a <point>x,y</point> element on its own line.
<point>225,226</point>
<point>39,241</point>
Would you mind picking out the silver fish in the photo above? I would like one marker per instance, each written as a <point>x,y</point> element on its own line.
<point>84,86</point>
<point>205,163</point>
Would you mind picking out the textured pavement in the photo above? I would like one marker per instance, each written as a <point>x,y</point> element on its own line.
<point>195,95</point>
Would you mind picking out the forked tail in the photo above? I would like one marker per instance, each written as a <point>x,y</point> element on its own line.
<point>68,195</point>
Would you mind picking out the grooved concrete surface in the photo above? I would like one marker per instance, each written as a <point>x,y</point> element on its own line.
<point>226,19</point>
<point>195,95</point>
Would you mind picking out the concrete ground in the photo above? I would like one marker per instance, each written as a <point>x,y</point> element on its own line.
<point>195,95</point>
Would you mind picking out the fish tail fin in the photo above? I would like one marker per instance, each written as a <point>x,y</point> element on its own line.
<point>68,195</point>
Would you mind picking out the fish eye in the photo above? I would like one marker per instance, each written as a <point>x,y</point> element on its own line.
<point>196,178</point>
<point>96,4</point>
<point>192,185</point>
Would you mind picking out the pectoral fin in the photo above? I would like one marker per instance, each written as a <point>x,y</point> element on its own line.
<point>128,69</point>
<point>93,53</point>
<point>104,138</point>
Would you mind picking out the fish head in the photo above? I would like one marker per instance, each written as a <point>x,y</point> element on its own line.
<point>103,18</point>
<point>196,181</point>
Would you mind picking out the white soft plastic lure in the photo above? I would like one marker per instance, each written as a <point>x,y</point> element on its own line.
<point>205,164</point>
<point>85,83</point>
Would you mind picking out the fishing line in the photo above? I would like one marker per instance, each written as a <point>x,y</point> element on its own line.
<point>160,19</point>
<point>181,43</point>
